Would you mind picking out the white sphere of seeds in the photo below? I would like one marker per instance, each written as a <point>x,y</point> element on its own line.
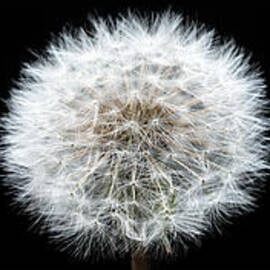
<point>144,134</point>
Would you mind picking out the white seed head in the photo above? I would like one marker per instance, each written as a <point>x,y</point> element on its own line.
<point>143,134</point>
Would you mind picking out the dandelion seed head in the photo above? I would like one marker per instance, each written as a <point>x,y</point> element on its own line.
<point>141,135</point>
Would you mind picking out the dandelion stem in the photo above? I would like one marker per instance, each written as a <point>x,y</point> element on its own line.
<point>139,262</point>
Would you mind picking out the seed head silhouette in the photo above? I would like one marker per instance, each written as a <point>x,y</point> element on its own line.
<point>144,133</point>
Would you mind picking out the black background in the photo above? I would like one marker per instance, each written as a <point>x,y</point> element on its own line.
<point>243,245</point>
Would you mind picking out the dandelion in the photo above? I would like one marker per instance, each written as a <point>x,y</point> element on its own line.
<point>138,137</point>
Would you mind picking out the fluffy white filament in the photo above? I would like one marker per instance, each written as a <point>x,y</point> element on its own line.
<point>143,134</point>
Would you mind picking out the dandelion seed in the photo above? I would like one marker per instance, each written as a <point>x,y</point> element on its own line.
<point>136,138</point>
